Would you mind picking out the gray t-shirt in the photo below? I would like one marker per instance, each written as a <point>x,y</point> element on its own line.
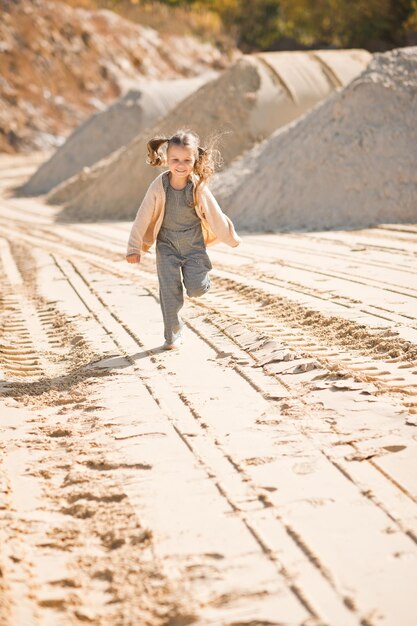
<point>179,207</point>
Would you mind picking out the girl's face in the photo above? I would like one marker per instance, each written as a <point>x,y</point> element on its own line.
<point>180,161</point>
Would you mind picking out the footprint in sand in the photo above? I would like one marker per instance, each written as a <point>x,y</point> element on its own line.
<point>60,432</point>
<point>79,510</point>
<point>257,460</point>
<point>304,468</point>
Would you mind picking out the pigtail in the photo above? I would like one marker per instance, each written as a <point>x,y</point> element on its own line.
<point>208,159</point>
<point>156,158</point>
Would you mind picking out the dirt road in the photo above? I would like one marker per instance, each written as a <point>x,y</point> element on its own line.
<point>263,475</point>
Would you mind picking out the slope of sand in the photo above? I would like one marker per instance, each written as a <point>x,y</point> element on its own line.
<point>350,162</point>
<point>59,63</point>
<point>245,104</point>
<point>264,474</point>
<point>103,133</point>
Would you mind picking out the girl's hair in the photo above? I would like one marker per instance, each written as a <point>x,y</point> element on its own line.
<point>206,159</point>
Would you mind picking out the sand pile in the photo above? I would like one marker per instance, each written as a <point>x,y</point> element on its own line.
<point>59,63</point>
<point>103,133</point>
<point>248,102</point>
<point>351,162</point>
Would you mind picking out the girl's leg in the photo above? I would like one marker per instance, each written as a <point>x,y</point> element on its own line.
<point>195,274</point>
<point>171,295</point>
<point>196,265</point>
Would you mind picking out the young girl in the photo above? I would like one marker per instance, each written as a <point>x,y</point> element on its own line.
<point>182,215</point>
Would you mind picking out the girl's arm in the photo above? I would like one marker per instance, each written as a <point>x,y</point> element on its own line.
<point>219,222</point>
<point>142,220</point>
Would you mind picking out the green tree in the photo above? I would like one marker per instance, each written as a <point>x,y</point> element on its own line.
<point>256,24</point>
<point>346,23</point>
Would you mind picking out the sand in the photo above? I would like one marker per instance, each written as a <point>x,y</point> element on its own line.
<point>264,474</point>
<point>104,132</point>
<point>77,61</point>
<point>349,163</point>
<point>244,105</point>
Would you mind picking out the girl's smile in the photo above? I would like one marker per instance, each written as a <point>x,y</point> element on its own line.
<point>180,161</point>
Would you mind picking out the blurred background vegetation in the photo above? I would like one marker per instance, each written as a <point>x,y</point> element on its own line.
<point>278,24</point>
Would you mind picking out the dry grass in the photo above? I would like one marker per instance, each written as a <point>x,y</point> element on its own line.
<point>170,20</point>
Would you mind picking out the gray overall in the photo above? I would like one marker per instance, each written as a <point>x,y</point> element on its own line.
<point>180,257</point>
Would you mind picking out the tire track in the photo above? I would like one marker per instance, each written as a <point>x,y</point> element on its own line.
<point>233,332</point>
<point>334,378</point>
<point>60,502</point>
<point>342,471</point>
<point>313,332</point>
<point>225,301</point>
<point>309,331</point>
<point>347,335</point>
<point>78,508</point>
<point>345,300</point>
<point>225,322</point>
<point>213,458</point>
<point>298,244</point>
<point>77,230</point>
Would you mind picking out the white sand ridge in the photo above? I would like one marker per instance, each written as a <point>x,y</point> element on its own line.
<point>247,102</point>
<point>106,131</point>
<point>349,163</point>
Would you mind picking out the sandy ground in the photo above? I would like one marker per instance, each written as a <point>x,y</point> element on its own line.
<point>263,475</point>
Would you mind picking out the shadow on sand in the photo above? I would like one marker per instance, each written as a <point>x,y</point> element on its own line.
<point>65,383</point>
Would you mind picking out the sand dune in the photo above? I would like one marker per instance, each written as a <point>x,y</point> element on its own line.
<point>351,162</point>
<point>103,133</point>
<point>247,103</point>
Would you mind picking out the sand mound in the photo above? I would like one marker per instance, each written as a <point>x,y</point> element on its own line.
<point>249,101</point>
<point>58,64</point>
<point>351,162</point>
<point>103,133</point>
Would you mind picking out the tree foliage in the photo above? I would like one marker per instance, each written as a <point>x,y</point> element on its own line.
<point>347,22</point>
<point>256,24</point>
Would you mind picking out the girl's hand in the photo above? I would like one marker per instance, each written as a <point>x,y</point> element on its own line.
<point>133,258</point>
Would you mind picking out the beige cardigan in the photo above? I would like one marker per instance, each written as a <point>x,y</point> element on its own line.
<point>215,224</point>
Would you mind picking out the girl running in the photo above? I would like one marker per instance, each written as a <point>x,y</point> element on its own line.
<point>180,213</point>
